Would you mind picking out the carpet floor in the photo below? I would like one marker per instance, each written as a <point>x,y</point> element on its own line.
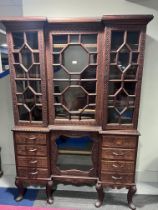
<point>77,200</point>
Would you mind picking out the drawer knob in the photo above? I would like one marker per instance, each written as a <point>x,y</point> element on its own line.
<point>118,154</point>
<point>117,166</point>
<point>33,173</point>
<point>32,138</point>
<point>32,150</point>
<point>33,161</point>
<point>116,178</point>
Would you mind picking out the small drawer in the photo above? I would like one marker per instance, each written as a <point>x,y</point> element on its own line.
<point>113,166</point>
<point>120,141</point>
<point>32,150</point>
<point>32,173</point>
<point>118,154</point>
<point>117,178</point>
<point>30,138</point>
<point>40,162</point>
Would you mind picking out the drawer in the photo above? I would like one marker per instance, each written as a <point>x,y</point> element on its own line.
<point>117,178</point>
<point>32,173</point>
<point>119,141</point>
<point>113,166</point>
<point>40,162</point>
<point>118,154</point>
<point>32,150</point>
<point>30,138</point>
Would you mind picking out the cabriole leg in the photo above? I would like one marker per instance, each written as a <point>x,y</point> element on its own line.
<point>49,189</point>
<point>21,189</point>
<point>100,192</point>
<point>131,192</point>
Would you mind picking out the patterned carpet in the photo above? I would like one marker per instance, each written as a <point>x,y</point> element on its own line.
<point>77,200</point>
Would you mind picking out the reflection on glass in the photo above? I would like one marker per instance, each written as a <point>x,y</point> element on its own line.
<point>117,39</point>
<point>114,87</point>
<point>113,116</point>
<point>60,39</point>
<point>74,153</point>
<point>16,57</point>
<point>75,58</point>
<point>34,71</point>
<point>23,113</point>
<point>59,86</point>
<point>133,39</point>
<point>35,85</point>
<point>18,39</point>
<point>89,86</point>
<point>89,73</point>
<point>92,99</point>
<point>130,87</point>
<point>89,38</point>
<point>123,58</point>
<point>89,112</point>
<point>29,98</point>
<point>26,57</point>
<point>115,72</point>
<point>32,39</point>
<point>60,112</point>
<point>36,57</point>
<point>74,38</point>
<point>113,58</point>
<point>60,73</point>
<point>131,72</point>
<point>37,113</point>
<point>121,101</point>
<point>93,58</point>
<point>20,72</point>
<point>56,58</point>
<point>21,86</point>
<point>20,98</point>
<point>127,116</point>
<point>135,57</point>
<point>74,98</point>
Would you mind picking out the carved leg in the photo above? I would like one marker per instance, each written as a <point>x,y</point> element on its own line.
<point>49,187</point>
<point>100,192</point>
<point>131,192</point>
<point>21,189</point>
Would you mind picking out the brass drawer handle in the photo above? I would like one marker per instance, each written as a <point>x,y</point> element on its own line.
<point>116,178</point>
<point>33,161</point>
<point>33,173</point>
<point>118,154</point>
<point>32,138</point>
<point>32,150</point>
<point>117,166</point>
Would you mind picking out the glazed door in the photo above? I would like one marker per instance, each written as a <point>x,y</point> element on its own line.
<point>123,69</point>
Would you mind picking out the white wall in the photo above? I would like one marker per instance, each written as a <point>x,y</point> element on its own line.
<point>147,167</point>
<point>7,8</point>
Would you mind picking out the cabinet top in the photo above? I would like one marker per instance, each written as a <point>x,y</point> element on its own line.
<point>105,19</point>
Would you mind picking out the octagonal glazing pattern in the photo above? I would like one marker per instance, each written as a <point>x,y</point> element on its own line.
<point>74,75</point>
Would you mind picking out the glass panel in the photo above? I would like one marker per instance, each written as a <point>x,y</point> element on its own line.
<point>26,57</point>
<point>123,58</point>
<point>89,38</point>
<point>60,39</point>
<point>60,112</point>
<point>127,116</point>
<point>32,39</point>
<point>93,58</point>
<point>23,113</point>
<point>74,153</point>
<point>74,38</point>
<point>74,98</point>
<point>56,58</point>
<point>113,58</point>
<point>117,39</point>
<point>38,99</point>
<point>115,72</point>
<point>16,57</point>
<point>20,72</point>
<point>121,101</point>
<point>36,57</point>
<point>18,39</point>
<point>20,98</point>
<point>57,98</point>
<point>21,86</point>
<point>60,86</point>
<point>131,72</point>
<point>89,73</point>
<point>34,71</point>
<point>90,87</point>
<point>60,73</point>
<point>29,98</point>
<point>130,87</point>
<point>36,85</point>
<point>37,113</point>
<point>114,87</point>
<point>91,49</point>
<point>113,116</point>
<point>133,39</point>
<point>135,57</point>
<point>75,58</point>
<point>89,112</point>
<point>92,99</point>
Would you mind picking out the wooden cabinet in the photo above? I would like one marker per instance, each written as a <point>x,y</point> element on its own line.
<point>76,87</point>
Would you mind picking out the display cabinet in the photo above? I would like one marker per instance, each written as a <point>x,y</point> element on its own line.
<point>76,91</point>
